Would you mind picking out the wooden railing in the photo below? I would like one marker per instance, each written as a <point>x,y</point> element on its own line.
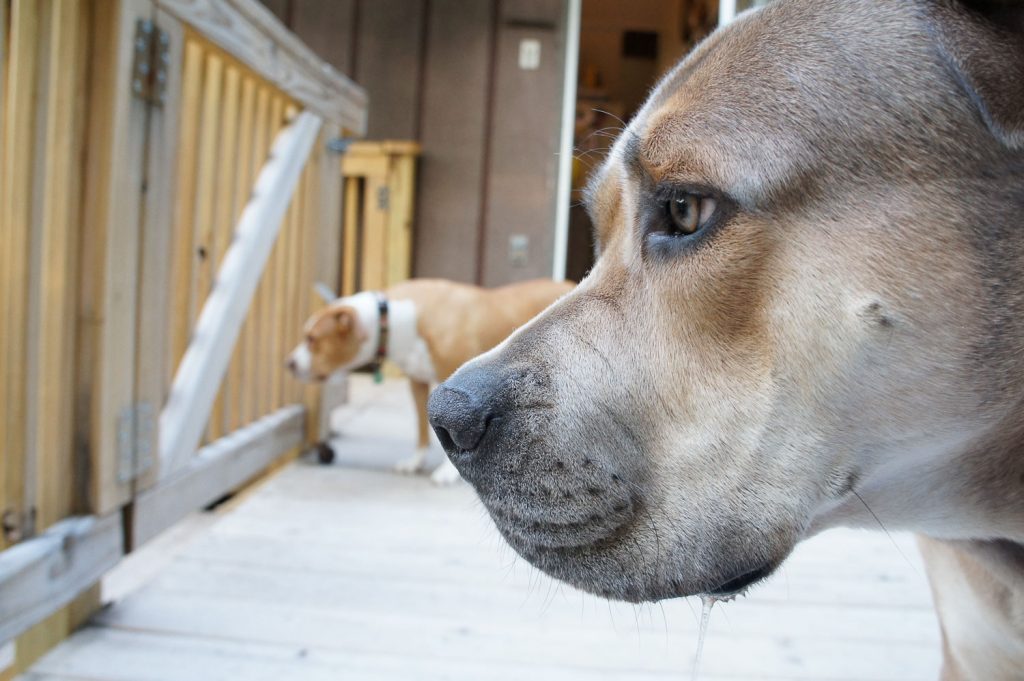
<point>380,190</point>
<point>156,262</point>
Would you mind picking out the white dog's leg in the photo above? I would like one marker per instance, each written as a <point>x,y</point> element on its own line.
<point>445,474</point>
<point>414,464</point>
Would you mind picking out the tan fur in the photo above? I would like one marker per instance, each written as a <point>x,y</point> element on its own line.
<point>844,347</point>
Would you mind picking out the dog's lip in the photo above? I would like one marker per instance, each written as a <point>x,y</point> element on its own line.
<point>741,582</point>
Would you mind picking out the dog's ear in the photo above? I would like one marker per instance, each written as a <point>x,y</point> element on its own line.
<point>982,41</point>
<point>345,319</point>
<point>341,321</point>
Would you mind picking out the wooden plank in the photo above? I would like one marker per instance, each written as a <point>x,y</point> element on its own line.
<point>205,257</point>
<point>375,229</point>
<point>205,362</point>
<point>402,195</point>
<point>156,308</point>
<point>4,60</point>
<point>253,35</point>
<point>184,202</point>
<point>328,229</point>
<point>254,369</point>
<point>350,236</point>
<point>110,265</point>
<point>52,422</point>
<point>42,575</point>
<point>273,274</point>
<point>239,374</point>
<point>216,470</point>
<point>16,206</point>
<point>224,215</point>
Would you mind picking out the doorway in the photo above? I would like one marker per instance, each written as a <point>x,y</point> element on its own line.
<point>624,48</point>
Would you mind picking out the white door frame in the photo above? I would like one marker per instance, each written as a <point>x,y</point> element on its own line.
<point>563,190</point>
<point>726,11</point>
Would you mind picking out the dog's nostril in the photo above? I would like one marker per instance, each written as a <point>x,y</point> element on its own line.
<point>459,418</point>
<point>445,438</point>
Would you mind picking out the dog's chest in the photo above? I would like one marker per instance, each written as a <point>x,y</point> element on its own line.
<point>407,348</point>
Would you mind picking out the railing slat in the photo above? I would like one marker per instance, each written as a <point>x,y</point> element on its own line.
<point>252,34</point>
<point>184,250</point>
<point>199,376</point>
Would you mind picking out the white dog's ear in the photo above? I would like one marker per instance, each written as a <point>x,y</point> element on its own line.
<point>982,41</point>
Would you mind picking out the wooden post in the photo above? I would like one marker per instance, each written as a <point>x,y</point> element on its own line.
<point>16,207</point>
<point>199,376</point>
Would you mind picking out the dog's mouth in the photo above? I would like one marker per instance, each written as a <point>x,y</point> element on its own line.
<point>741,582</point>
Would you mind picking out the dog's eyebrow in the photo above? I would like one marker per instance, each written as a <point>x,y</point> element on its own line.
<point>631,154</point>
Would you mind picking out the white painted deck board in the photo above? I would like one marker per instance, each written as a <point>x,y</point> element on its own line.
<point>338,573</point>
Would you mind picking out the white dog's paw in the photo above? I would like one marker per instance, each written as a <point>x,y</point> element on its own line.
<point>413,464</point>
<point>445,474</point>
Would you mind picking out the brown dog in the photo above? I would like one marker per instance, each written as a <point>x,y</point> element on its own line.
<point>809,303</point>
<point>427,327</point>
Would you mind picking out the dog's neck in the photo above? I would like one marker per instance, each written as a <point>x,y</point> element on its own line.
<point>967,488</point>
<point>403,344</point>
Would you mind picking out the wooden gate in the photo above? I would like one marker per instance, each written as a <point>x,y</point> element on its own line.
<point>167,201</point>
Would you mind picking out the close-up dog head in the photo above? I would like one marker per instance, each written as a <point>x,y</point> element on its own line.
<point>807,304</point>
<point>334,340</point>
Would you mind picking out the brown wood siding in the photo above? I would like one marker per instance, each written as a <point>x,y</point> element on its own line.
<point>453,137</point>
<point>387,65</point>
<point>335,45</point>
<point>429,67</point>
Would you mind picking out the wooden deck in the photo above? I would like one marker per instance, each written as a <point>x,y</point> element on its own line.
<point>345,573</point>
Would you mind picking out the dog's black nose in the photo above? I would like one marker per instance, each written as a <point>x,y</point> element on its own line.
<point>460,410</point>
<point>459,419</point>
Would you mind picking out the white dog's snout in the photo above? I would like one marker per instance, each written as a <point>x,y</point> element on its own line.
<point>300,361</point>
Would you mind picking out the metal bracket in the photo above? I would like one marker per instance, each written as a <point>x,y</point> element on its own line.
<point>152,59</point>
<point>135,428</point>
<point>339,145</point>
<point>383,198</point>
<point>11,525</point>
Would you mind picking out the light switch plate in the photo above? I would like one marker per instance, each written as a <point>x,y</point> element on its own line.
<point>518,250</point>
<point>529,54</point>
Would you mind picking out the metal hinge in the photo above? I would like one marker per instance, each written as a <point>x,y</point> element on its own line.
<point>134,441</point>
<point>17,526</point>
<point>383,198</point>
<point>152,59</point>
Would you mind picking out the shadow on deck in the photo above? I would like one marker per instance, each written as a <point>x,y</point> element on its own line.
<point>342,572</point>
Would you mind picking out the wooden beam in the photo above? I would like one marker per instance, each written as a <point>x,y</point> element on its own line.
<point>16,176</point>
<point>217,469</point>
<point>206,360</point>
<point>110,255</point>
<point>156,316</point>
<point>253,35</point>
<point>58,227</point>
<point>42,575</point>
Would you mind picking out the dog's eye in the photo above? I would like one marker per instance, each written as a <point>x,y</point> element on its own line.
<point>688,213</point>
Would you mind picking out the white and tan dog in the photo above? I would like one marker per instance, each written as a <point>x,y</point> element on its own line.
<point>427,327</point>
<point>809,303</point>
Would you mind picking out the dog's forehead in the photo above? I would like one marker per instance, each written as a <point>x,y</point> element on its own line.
<point>782,90</point>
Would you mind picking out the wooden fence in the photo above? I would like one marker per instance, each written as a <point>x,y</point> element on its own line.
<point>380,180</point>
<point>143,335</point>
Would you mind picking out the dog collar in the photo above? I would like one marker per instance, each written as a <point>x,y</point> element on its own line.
<point>382,338</point>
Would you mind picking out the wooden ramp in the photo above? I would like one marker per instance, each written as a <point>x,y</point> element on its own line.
<point>341,573</point>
